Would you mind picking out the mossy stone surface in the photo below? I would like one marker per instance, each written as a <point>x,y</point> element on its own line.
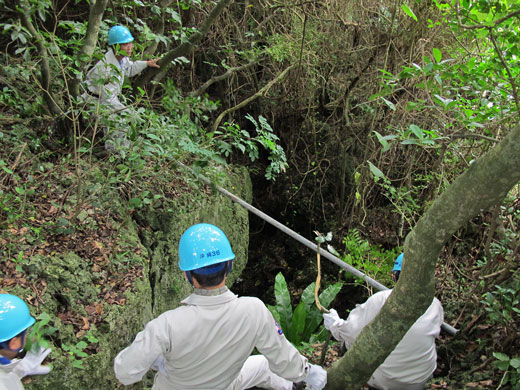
<point>155,231</point>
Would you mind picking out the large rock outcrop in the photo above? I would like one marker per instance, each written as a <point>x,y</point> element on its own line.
<point>152,282</point>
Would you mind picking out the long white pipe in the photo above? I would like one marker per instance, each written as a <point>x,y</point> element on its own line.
<point>336,260</point>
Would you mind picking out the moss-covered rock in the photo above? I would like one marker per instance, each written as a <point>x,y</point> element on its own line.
<point>72,288</point>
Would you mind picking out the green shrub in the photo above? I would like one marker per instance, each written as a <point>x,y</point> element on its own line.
<point>299,325</point>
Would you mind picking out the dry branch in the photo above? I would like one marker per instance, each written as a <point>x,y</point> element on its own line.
<point>245,102</point>
<point>221,77</point>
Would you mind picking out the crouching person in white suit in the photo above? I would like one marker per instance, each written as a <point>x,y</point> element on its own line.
<point>414,359</point>
<point>206,344</point>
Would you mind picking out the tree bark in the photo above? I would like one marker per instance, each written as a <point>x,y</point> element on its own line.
<point>182,50</point>
<point>157,27</point>
<point>486,182</point>
<point>97,10</point>
<point>45,79</point>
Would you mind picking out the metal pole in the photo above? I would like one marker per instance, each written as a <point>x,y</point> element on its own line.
<point>336,260</point>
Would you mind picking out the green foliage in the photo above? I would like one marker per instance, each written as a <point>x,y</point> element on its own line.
<point>403,199</point>
<point>503,303</point>
<point>269,140</point>
<point>372,260</point>
<point>231,136</point>
<point>76,352</point>
<point>511,368</point>
<point>299,325</point>
<point>408,11</point>
<point>38,333</point>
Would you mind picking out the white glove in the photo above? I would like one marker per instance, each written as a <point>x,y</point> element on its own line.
<point>31,364</point>
<point>158,365</point>
<point>317,377</point>
<point>331,319</point>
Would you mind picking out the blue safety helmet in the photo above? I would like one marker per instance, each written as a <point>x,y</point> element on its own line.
<point>203,245</point>
<point>119,34</point>
<point>14,317</point>
<point>398,263</point>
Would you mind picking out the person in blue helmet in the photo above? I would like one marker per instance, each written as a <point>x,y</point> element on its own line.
<point>413,361</point>
<point>104,83</point>
<point>207,343</point>
<point>15,319</point>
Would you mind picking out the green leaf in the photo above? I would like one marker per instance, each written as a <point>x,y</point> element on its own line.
<point>389,104</point>
<point>444,101</point>
<point>501,356</point>
<point>298,324</point>
<point>275,314</point>
<point>376,172</point>
<point>437,54</point>
<point>328,295</point>
<point>153,136</point>
<point>283,302</point>
<point>515,363</point>
<point>314,318</point>
<point>417,131</point>
<point>408,11</point>
<point>308,296</point>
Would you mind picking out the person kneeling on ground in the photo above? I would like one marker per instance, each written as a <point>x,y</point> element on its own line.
<point>104,84</point>
<point>15,319</point>
<point>206,344</point>
<point>413,361</point>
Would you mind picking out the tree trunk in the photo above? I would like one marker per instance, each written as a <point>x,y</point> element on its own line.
<point>45,79</point>
<point>485,183</point>
<point>95,17</point>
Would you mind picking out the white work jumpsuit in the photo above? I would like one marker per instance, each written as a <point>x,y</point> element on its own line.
<point>414,359</point>
<point>9,379</point>
<point>104,83</point>
<point>207,345</point>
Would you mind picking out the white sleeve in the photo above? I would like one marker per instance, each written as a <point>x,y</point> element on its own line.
<point>132,363</point>
<point>360,317</point>
<point>439,318</point>
<point>284,359</point>
<point>132,68</point>
<point>103,80</point>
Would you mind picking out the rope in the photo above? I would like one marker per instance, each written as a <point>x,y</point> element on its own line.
<point>317,301</point>
<point>317,287</point>
<point>372,282</point>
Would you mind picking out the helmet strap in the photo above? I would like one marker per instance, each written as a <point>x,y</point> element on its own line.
<point>188,275</point>
<point>5,344</point>
<point>229,266</point>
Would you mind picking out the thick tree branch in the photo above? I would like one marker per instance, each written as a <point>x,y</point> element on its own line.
<point>508,71</point>
<point>245,102</point>
<point>485,183</point>
<point>97,10</point>
<point>25,12</point>
<point>183,49</point>
<point>158,27</point>
<point>476,136</point>
<point>480,25</point>
<point>221,77</point>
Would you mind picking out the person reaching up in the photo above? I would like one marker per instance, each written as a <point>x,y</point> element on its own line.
<point>104,83</point>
